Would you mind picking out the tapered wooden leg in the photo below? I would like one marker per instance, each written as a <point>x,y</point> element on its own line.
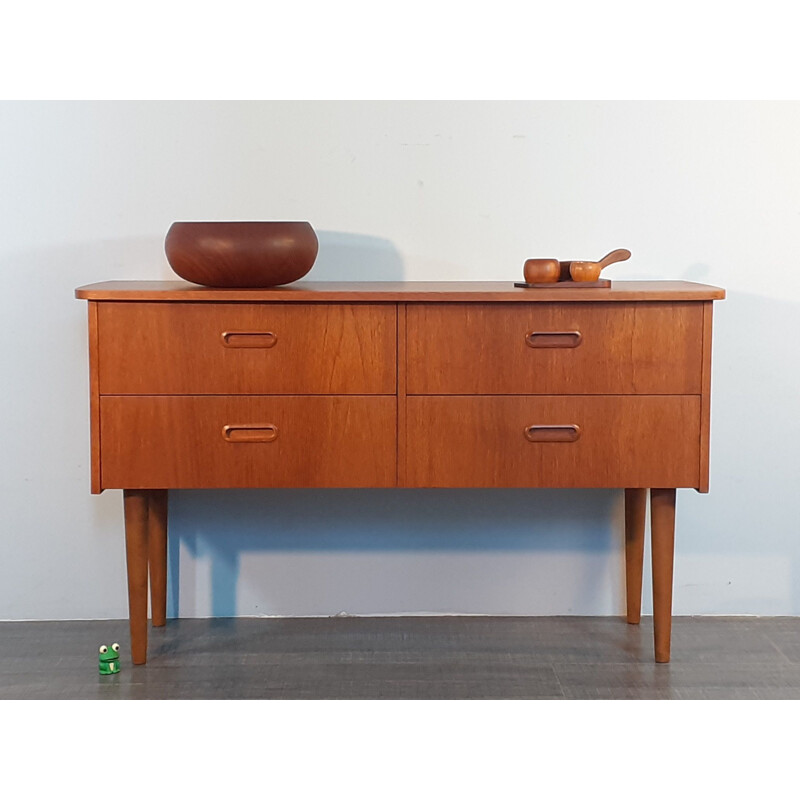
<point>136,529</point>
<point>662,527</point>
<point>635,507</point>
<point>157,556</point>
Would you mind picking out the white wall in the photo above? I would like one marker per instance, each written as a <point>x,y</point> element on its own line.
<point>417,191</point>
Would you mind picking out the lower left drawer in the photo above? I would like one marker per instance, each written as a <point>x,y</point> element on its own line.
<point>204,442</point>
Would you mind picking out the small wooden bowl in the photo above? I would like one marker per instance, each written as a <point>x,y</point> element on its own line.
<point>541,270</point>
<point>581,271</point>
<point>241,255</point>
<point>589,271</point>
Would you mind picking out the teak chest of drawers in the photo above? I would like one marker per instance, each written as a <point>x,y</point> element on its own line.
<point>399,385</point>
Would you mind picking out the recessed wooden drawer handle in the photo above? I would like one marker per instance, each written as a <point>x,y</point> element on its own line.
<point>552,433</point>
<point>249,339</point>
<point>250,433</point>
<point>553,338</point>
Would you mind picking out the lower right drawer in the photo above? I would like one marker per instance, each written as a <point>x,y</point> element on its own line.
<point>619,441</point>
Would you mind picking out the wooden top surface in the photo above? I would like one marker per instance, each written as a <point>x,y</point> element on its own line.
<point>390,291</point>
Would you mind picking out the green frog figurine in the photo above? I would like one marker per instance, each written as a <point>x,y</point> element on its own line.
<point>109,659</point>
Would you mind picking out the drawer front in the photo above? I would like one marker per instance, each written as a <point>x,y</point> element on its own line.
<point>555,348</point>
<point>558,442</point>
<point>246,348</point>
<point>152,442</point>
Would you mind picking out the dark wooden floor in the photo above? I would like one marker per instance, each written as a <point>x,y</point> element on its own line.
<point>408,658</point>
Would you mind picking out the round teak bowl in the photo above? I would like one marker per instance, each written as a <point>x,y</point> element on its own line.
<point>241,255</point>
<point>541,270</point>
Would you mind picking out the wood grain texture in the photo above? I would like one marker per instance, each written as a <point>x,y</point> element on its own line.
<point>399,384</point>
<point>94,397</point>
<point>241,254</point>
<point>590,270</point>
<point>628,348</point>
<point>401,393</point>
<point>179,348</point>
<point>136,551</point>
<point>625,442</point>
<point>157,555</point>
<point>705,404</point>
<point>396,292</point>
<point>635,511</point>
<point>662,530</point>
<point>156,442</point>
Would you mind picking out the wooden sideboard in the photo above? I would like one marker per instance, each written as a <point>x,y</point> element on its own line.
<point>402,385</point>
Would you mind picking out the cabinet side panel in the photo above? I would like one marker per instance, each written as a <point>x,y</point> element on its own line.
<point>705,398</point>
<point>94,397</point>
<point>401,394</point>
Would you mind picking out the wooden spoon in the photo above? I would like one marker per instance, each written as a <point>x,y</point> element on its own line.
<point>590,270</point>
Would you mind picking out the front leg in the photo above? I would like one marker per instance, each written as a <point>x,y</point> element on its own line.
<point>157,555</point>
<point>662,534</point>
<point>136,502</point>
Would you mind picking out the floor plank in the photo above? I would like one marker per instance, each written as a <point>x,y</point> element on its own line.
<point>408,658</point>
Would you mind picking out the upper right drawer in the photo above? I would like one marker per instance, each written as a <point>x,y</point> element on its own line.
<point>555,348</point>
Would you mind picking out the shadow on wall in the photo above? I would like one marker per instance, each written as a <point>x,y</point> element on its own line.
<point>699,273</point>
<point>739,543</point>
<point>737,549</point>
<point>222,525</point>
<point>355,257</point>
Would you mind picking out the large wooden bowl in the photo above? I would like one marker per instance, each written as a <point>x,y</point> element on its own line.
<point>241,254</point>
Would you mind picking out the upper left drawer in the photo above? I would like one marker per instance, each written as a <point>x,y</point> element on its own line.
<point>246,348</point>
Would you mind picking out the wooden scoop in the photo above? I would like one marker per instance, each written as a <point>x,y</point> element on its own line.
<point>590,270</point>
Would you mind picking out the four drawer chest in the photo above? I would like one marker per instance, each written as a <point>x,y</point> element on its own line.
<point>407,385</point>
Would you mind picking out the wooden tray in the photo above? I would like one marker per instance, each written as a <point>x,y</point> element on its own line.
<point>603,283</point>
